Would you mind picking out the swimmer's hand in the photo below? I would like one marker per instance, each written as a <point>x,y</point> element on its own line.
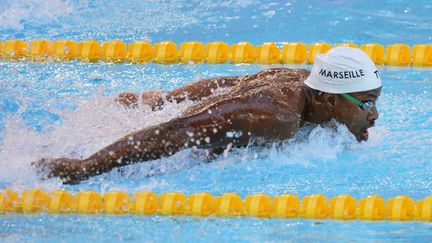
<point>153,98</point>
<point>127,99</point>
<point>70,171</point>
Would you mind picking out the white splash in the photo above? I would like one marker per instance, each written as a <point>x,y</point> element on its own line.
<point>94,124</point>
<point>319,143</point>
<point>14,14</point>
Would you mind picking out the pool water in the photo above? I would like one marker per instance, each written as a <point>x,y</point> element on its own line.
<point>66,109</point>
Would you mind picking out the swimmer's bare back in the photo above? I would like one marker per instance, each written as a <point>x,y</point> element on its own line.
<point>267,106</point>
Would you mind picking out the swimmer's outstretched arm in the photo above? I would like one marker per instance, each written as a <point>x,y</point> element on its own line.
<point>195,91</point>
<point>211,125</point>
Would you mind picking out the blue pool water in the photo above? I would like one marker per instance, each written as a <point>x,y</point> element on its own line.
<point>66,109</point>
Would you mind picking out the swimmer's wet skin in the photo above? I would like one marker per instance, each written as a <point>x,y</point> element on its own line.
<point>270,106</point>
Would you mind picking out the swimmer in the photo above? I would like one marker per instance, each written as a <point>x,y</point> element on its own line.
<point>270,106</point>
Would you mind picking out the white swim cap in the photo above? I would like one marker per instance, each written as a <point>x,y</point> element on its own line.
<point>343,70</point>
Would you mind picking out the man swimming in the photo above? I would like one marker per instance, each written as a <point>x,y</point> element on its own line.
<point>267,107</point>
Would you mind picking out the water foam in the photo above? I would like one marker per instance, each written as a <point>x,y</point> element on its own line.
<point>94,124</point>
<point>15,14</point>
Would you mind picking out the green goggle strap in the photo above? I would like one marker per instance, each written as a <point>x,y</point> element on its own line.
<point>352,99</point>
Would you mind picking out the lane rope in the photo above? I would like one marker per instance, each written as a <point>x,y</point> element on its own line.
<point>193,52</point>
<point>317,206</point>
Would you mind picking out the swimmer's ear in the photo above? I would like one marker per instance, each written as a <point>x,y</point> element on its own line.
<point>329,101</point>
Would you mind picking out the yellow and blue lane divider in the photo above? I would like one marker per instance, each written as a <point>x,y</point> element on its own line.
<point>167,52</point>
<point>317,206</point>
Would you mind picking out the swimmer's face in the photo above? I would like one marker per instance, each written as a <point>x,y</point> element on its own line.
<point>353,116</point>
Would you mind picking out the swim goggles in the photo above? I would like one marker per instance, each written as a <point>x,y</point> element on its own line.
<point>366,106</point>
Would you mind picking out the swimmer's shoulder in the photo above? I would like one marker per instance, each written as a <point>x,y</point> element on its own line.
<point>284,74</point>
<point>285,85</point>
<point>280,82</point>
